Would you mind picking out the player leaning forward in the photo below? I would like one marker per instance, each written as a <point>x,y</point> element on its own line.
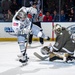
<point>63,48</point>
<point>22,26</point>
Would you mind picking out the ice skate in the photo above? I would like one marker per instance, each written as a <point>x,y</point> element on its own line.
<point>41,43</point>
<point>47,38</point>
<point>70,58</point>
<point>24,60</point>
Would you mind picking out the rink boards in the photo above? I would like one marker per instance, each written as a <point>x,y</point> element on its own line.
<point>46,26</point>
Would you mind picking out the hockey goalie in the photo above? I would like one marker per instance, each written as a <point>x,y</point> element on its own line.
<point>63,49</point>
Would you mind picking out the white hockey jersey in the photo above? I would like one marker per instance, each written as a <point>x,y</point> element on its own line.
<point>17,25</point>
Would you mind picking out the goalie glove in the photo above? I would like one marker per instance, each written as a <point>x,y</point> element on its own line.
<point>29,16</point>
<point>46,50</point>
<point>51,47</point>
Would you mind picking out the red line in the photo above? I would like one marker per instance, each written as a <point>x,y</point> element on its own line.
<point>52,32</point>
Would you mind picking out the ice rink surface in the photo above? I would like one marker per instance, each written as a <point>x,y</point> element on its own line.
<point>9,65</point>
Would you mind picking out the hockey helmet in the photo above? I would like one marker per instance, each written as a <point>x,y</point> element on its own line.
<point>33,9</point>
<point>45,50</point>
<point>34,3</point>
<point>21,15</point>
<point>57,28</point>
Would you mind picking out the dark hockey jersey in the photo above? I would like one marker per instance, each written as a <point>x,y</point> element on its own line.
<point>64,42</point>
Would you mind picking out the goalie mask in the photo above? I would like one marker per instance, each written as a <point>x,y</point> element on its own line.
<point>45,50</point>
<point>57,28</point>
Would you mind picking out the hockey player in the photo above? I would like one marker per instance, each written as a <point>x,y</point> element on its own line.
<point>63,48</point>
<point>37,21</point>
<point>22,26</point>
<point>31,35</point>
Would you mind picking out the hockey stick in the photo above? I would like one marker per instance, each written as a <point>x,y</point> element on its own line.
<point>70,58</point>
<point>27,40</point>
<point>40,57</point>
<point>29,34</point>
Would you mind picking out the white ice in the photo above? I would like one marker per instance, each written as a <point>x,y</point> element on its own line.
<point>9,65</point>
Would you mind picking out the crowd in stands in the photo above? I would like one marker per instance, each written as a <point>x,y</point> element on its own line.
<point>49,10</point>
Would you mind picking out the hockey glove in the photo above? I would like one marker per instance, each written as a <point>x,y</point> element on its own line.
<point>45,50</point>
<point>26,31</point>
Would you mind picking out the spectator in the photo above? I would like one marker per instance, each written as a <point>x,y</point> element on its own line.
<point>70,3</point>
<point>40,15</point>
<point>47,17</point>
<point>62,16</point>
<point>66,10</point>
<point>36,19</point>
<point>5,6</point>
<point>19,2</point>
<point>9,16</point>
<point>71,15</point>
<point>55,16</point>
<point>14,7</point>
<point>27,3</point>
<point>38,5</point>
<point>1,17</point>
<point>45,6</point>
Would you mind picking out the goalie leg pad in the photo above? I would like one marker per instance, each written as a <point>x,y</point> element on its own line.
<point>54,56</point>
<point>59,55</point>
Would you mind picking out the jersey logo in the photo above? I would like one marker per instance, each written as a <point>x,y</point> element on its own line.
<point>8,29</point>
<point>71,29</point>
<point>15,24</point>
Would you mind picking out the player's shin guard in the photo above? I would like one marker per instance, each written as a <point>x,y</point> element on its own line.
<point>24,57</point>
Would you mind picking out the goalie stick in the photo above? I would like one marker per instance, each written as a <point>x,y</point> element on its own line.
<point>40,57</point>
<point>70,58</point>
